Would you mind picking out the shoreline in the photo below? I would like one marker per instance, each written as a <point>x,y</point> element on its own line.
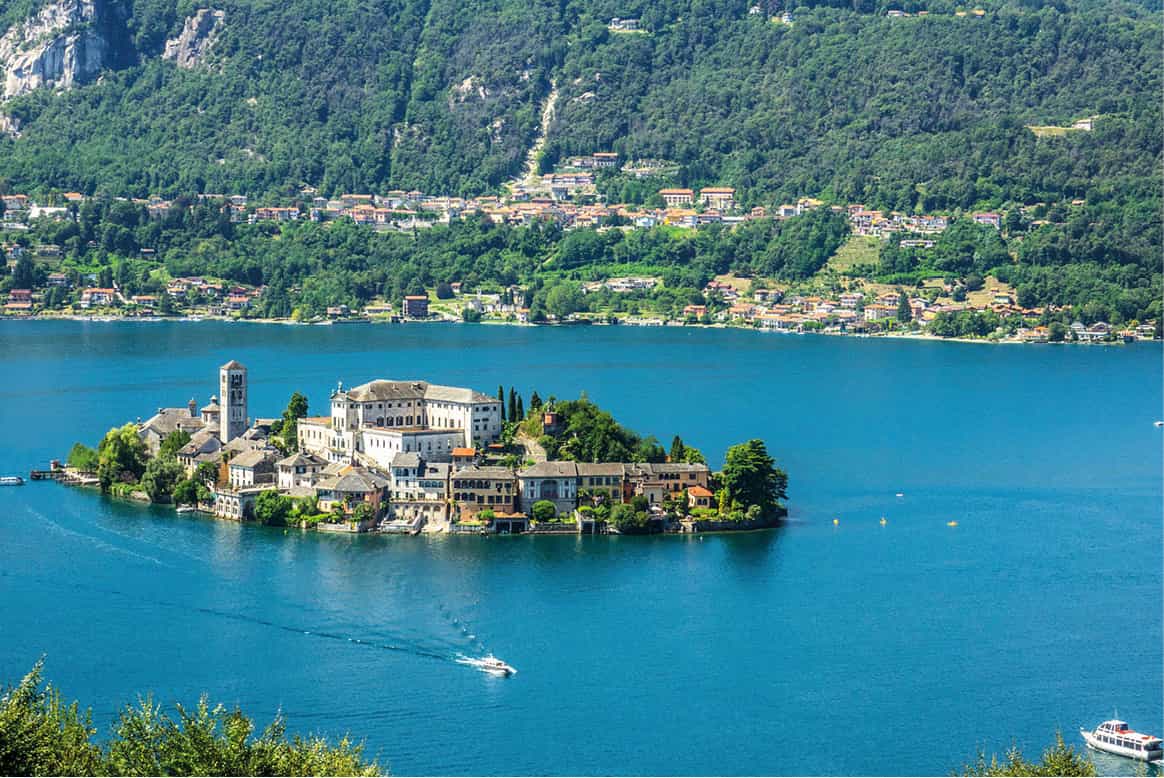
<point>200,512</point>
<point>196,319</point>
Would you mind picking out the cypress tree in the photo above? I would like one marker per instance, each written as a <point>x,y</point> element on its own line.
<point>520,408</point>
<point>512,404</point>
<point>904,312</point>
<point>535,401</point>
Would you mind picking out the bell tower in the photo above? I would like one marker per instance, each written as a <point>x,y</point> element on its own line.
<point>232,389</point>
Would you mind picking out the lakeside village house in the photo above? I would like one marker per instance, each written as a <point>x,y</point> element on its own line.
<point>411,450</point>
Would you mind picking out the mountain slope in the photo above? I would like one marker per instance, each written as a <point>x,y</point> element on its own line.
<point>444,96</point>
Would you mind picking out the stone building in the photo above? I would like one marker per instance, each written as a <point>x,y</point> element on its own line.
<point>232,388</point>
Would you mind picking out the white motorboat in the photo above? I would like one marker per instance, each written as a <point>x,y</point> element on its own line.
<point>11,480</point>
<point>1114,737</point>
<point>489,664</point>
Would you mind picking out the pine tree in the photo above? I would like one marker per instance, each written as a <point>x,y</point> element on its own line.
<point>535,401</point>
<point>677,449</point>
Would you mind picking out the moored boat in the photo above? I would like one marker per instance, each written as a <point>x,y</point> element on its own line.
<point>1114,737</point>
<point>11,480</point>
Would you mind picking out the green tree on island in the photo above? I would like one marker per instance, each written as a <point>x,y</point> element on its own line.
<point>750,477</point>
<point>41,734</point>
<point>121,457</point>
<point>289,432</point>
<point>543,510</point>
<point>173,443</point>
<point>82,458</point>
<point>191,491</point>
<point>272,508</point>
<point>160,477</point>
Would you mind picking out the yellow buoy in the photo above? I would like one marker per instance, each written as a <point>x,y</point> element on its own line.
<point>836,521</point>
<point>951,524</point>
<point>883,521</point>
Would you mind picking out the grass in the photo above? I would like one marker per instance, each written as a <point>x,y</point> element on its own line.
<point>857,250</point>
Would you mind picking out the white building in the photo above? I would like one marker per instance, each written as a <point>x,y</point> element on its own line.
<point>382,418</point>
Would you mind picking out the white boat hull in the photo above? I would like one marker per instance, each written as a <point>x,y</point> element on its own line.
<point>1098,745</point>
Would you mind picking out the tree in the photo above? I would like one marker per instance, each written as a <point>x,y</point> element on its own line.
<point>629,519</point>
<point>543,510</point>
<point>750,477</point>
<point>520,408</point>
<point>289,433</point>
<point>121,456</point>
<point>564,299</point>
<point>207,473</point>
<point>191,491</point>
<point>1057,332</point>
<point>501,397</point>
<point>444,291</point>
<point>82,458</point>
<point>173,443</point>
<point>535,402</point>
<point>1058,760</point>
<point>160,476</point>
<point>272,508</point>
<point>40,734</point>
<point>904,312</point>
<point>513,405</point>
<point>676,454</point>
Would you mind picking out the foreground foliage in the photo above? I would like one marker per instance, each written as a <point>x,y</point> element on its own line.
<point>42,735</point>
<point>1059,759</point>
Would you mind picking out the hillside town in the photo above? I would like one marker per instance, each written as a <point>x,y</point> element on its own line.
<point>410,457</point>
<point>568,197</point>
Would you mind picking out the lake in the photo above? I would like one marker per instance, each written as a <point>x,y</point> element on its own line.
<point>817,648</point>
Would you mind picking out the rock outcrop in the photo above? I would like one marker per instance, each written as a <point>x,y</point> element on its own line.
<point>58,47</point>
<point>199,32</point>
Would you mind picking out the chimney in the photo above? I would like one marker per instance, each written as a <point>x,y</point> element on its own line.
<point>193,406</point>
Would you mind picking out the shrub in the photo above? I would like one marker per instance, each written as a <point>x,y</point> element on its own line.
<point>543,510</point>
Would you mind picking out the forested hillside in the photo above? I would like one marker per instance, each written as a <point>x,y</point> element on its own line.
<point>443,95</point>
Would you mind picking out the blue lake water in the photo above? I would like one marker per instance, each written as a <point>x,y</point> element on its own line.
<point>816,648</point>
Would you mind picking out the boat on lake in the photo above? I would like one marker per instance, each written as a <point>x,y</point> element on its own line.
<point>1114,737</point>
<point>11,480</point>
<point>489,664</point>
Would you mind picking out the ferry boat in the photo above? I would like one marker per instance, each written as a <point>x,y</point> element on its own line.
<point>1114,737</point>
<point>11,480</point>
<point>489,664</point>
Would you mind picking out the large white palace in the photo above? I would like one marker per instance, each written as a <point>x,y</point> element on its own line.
<point>372,423</point>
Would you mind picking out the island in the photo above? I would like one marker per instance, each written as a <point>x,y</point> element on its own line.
<point>412,456</point>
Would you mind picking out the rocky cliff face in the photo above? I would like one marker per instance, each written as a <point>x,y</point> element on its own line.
<point>199,32</point>
<point>57,47</point>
